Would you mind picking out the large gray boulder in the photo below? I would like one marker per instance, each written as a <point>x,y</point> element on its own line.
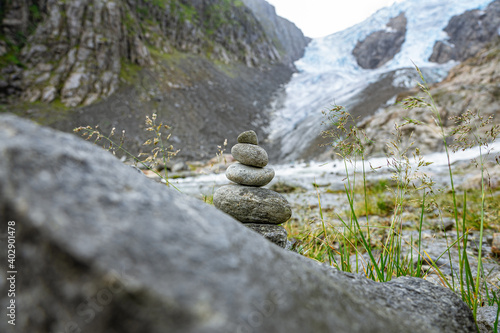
<point>101,248</point>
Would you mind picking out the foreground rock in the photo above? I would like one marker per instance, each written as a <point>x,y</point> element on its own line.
<point>104,249</point>
<point>486,317</point>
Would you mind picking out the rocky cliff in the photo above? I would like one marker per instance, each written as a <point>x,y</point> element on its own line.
<point>381,46</point>
<point>206,67</point>
<point>468,34</point>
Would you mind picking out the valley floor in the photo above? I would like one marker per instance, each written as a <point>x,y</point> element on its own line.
<point>321,207</point>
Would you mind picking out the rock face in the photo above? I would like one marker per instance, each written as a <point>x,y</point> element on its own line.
<point>195,63</point>
<point>381,46</point>
<point>468,34</point>
<point>101,248</point>
<point>291,39</point>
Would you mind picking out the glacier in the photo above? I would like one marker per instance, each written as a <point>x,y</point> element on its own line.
<point>328,73</point>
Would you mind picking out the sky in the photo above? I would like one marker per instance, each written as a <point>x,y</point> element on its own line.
<point>319,18</point>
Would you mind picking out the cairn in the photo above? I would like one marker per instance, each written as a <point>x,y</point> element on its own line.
<point>258,208</point>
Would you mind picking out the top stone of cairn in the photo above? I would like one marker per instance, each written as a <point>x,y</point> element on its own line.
<point>248,137</point>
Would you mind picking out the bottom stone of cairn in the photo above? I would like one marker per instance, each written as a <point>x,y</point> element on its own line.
<point>274,233</point>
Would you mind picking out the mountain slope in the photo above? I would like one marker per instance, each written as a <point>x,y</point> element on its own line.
<point>472,85</point>
<point>208,68</point>
<point>291,40</point>
<point>76,50</point>
<point>330,74</point>
<point>468,33</point>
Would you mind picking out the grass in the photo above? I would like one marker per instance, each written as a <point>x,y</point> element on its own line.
<point>160,151</point>
<point>354,241</point>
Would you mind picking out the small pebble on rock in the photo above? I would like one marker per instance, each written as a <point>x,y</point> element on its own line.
<point>248,137</point>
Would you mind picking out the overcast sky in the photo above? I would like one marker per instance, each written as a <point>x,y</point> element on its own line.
<point>318,18</point>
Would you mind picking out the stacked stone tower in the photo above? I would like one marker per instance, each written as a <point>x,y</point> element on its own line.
<point>259,208</point>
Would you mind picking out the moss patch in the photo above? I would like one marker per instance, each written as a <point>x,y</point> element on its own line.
<point>129,72</point>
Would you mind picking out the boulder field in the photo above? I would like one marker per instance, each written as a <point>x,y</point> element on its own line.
<point>101,248</point>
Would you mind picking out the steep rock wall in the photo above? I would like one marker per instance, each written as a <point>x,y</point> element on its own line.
<point>290,40</point>
<point>207,68</point>
<point>381,46</point>
<point>74,50</point>
<point>468,34</point>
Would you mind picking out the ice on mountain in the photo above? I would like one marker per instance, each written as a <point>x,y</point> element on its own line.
<point>329,74</point>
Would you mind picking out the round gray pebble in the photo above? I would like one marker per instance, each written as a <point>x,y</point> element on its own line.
<point>248,137</point>
<point>249,154</point>
<point>252,204</point>
<point>249,175</point>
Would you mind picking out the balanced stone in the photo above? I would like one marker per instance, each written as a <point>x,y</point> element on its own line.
<point>248,137</point>
<point>249,175</point>
<point>274,233</point>
<point>252,204</point>
<point>250,154</point>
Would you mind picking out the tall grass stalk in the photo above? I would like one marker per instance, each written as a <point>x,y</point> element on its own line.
<point>151,160</point>
<point>437,118</point>
<point>386,260</point>
<point>479,255</point>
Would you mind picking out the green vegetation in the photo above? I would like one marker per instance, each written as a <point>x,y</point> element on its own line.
<point>15,43</point>
<point>35,12</point>
<point>184,12</point>
<point>217,15</point>
<point>355,240</point>
<point>12,55</point>
<point>129,72</point>
<point>160,151</point>
<point>179,10</point>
